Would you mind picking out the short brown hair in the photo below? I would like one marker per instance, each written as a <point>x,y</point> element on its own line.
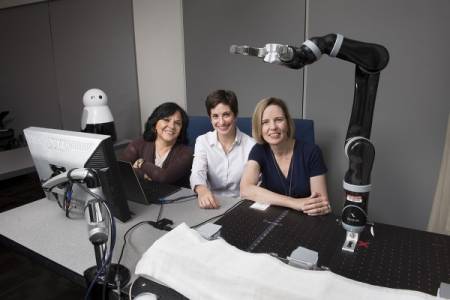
<point>222,96</point>
<point>257,118</point>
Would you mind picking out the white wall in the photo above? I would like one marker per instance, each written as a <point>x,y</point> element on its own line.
<point>158,26</point>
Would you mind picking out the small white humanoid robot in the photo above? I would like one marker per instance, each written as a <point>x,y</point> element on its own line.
<point>97,117</point>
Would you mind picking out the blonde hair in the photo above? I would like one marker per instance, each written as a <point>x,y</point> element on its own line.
<point>257,118</point>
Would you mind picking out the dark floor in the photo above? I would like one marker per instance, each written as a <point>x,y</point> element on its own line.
<point>22,277</point>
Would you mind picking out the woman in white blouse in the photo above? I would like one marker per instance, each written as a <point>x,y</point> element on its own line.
<point>220,155</point>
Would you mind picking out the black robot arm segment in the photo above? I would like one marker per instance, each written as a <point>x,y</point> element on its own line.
<point>370,57</point>
<point>366,85</point>
<point>361,155</point>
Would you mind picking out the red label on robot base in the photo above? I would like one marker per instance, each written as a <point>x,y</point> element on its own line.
<point>353,198</point>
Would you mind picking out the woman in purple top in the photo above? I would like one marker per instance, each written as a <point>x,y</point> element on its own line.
<point>292,173</point>
<point>161,154</point>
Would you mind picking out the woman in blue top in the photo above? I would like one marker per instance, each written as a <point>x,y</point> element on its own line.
<point>292,173</point>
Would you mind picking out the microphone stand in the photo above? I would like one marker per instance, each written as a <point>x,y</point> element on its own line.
<point>103,278</point>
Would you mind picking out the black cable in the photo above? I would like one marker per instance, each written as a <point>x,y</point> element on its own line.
<point>153,223</point>
<point>158,219</point>
<point>160,212</point>
<point>162,223</point>
<point>125,239</point>
<point>180,199</point>
<point>68,193</point>
<point>218,216</point>
<point>55,195</point>
<point>206,221</point>
<point>68,197</point>
<point>104,284</point>
<point>108,259</point>
<point>125,242</point>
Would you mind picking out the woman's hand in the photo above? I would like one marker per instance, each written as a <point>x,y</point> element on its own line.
<point>138,163</point>
<point>206,198</point>
<point>316,205</point>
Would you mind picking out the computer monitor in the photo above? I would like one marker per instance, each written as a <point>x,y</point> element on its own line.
<point>55,151</point>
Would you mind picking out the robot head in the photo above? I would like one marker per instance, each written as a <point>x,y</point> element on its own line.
<point>95,97</point>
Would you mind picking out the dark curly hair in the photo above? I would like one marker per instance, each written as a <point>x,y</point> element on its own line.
<point>163,111</point>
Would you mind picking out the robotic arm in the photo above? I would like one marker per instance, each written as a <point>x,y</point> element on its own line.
<point>104,274</point>
<point>98,234</point>
<point>369,59</point>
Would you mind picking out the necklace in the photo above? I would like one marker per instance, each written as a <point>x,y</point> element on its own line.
<point>290,170</point>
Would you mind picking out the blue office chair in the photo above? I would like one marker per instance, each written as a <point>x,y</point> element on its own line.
<point>198,125</point>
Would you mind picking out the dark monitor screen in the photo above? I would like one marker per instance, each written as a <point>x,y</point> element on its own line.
<point>55,151</point>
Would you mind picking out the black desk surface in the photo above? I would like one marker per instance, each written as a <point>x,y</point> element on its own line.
<point>396,257</point>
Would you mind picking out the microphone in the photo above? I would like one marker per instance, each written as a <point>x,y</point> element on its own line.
<point>98,234</point>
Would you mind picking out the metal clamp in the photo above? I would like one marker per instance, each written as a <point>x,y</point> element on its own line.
<point>350,241</point>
